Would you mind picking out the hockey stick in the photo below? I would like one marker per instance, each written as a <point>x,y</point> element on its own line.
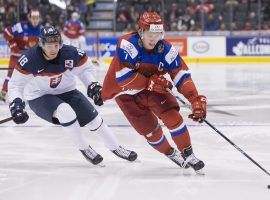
<point>222,135</point>
<point>6,68</point>
<point>6,120</point>
<point>101,60</point>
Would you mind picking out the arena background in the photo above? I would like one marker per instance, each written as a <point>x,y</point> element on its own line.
<point>203,31</point>
<point>226,44</point>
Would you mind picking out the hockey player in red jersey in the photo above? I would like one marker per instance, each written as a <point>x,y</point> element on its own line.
<point>20,36</point>
<point>135,79</point>
<point>74,32</point>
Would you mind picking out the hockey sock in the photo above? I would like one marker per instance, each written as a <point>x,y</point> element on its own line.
<point>67,118</point>
<point>178,129</point>
<point>158,141</point>
<point>103,132</point>
<point>76,135</point>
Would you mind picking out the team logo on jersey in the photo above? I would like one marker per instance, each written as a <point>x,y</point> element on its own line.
<point>171,55</point>
<point>140,42</point>
<point>129,48</point>
<point>68,63</point>
<point>160,48</point>
<point>55,81</point>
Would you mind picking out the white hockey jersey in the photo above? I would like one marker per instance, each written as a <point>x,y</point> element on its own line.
<point>34,76</point>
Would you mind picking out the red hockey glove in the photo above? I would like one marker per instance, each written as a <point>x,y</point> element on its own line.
<point>158,84</point>
<point>198,109</point>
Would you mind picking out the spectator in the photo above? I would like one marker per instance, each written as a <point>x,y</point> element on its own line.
<point>11,16</point>
<point>247,26</point>
<point>123,16</point>
<point>212,24</point>
<point>222,27</point>
<point>91,5</point>
<point>185,22</point>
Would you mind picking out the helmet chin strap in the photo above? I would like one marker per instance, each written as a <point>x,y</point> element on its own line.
<point>141,33</point>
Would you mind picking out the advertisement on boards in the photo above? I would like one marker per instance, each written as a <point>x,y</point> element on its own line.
<point>180,44</point>
<point>4,49</point>
<point>248,46</point>
<point>214,46</point>
<point>107,46</point>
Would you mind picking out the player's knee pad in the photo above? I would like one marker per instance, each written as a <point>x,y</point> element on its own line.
<point>65,114</point>
<point>155,137</point>
<point>95,123</point>
<point>171,118</point>
<point>158,140</point>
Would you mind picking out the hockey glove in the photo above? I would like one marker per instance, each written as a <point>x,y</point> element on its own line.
<point>158,84</point>
<point>17,110</point>
<point>94,92</point>
<point>198,109</point>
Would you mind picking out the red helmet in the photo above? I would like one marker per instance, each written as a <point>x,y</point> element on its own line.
<point>148,18</point>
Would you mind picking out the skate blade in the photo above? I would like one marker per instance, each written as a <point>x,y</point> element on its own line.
<point>200,172</point>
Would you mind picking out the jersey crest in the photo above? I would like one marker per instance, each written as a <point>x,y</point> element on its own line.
<point>160,48</point>
<point>55,81</point>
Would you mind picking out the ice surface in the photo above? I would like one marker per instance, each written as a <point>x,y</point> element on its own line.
<point>38,161</point>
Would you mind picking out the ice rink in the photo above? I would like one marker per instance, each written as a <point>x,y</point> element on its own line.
<point>39,162</point>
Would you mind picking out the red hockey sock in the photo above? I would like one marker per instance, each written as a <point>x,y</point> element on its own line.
<point>158,141</point>
<point>179,132</point>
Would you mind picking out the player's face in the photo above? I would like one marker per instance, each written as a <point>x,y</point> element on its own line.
<point>34,20</point>
<point>150,39</point>
<point>51,50</point>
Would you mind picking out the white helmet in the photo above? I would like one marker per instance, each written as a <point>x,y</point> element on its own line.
<point>75,16</point>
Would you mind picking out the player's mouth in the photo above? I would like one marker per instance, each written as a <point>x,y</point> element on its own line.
<point>152,44</point>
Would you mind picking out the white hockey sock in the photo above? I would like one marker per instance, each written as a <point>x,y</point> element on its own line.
<point>66,116</point>
<point>76,135</point>
<point>103,132</point>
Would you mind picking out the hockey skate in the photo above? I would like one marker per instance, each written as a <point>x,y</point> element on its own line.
<point>3,96</point>
<point>195,163</point>
<point>92,156</point>
<point>177,158</point>
<point>125,154</point>
<point>192,161</point>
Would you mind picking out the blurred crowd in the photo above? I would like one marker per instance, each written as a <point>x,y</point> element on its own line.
<point>178,15</point>
<point>196,15</point>
<point>12,11</point>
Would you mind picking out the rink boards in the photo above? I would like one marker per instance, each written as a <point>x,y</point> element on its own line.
<point>194,49</point>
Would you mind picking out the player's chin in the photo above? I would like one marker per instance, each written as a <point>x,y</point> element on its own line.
<point>53,56</point>
<point>151,46</point>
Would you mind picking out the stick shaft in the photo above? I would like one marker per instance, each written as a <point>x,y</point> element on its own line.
<point>222,135</point>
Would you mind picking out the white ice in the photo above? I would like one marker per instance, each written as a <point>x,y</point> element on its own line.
<point>39,162</point>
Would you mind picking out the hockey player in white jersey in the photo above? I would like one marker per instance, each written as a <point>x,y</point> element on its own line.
<point>45,77</point>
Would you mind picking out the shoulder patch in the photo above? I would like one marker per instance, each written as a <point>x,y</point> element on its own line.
<point>171,55</point>
<point>17,28</point>
<point>129,47</point>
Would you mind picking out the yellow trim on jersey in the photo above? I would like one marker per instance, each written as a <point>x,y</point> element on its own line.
<point>219,60</point>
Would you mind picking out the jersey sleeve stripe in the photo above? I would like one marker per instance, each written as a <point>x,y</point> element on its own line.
<point>123,77</point>
<point>21,70</point>
<point>8,33</point>
<point>181,80</point>
<point>179,75</point>
<point>82,61</point>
